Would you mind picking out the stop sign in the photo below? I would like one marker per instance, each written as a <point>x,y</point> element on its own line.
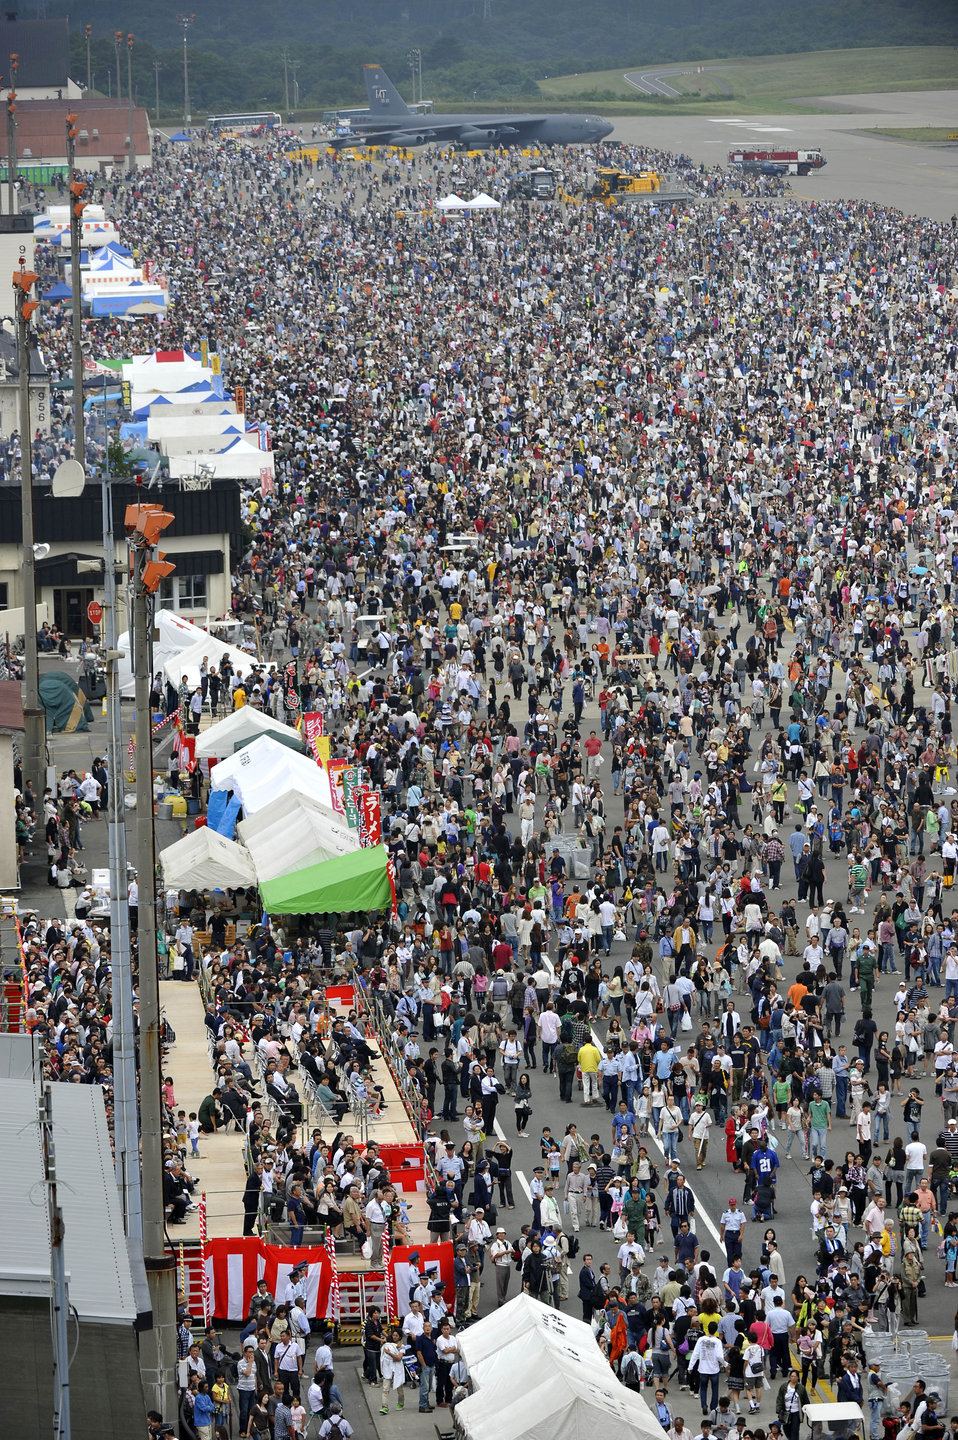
<point>94,612</point>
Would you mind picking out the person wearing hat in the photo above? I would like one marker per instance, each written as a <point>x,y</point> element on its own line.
<point>500,1254</point>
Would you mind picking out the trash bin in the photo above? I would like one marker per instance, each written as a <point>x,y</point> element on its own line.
<point>178,806</point>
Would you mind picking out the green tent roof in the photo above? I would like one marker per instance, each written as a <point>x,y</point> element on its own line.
<point>357,881</point>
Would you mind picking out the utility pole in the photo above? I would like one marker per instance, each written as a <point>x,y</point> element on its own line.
<point>125,1126</point>
<point>12,137</point>
<point>131,164</point>
<point>157,67</point>
<point>286,79</point>
<point>294,66</point>
<point>77,207</point>
<point>186,21</point>
<point>59,1300</point>
<point>34,739</point>
<point>117,43</point>
<point>144,526</point>
<point>88,32</point>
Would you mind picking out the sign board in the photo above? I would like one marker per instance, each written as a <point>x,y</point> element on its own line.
<point>94,612</point>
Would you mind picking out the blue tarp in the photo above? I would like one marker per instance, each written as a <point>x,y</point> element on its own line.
<point>59,292</point>
<point>98,398</point>
<point>180,136</point>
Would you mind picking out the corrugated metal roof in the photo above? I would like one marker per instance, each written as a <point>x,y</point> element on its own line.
<point>97,1262</point>
<point>19,1059</point>
<point>25,1237</point>
<point>98,1268</point>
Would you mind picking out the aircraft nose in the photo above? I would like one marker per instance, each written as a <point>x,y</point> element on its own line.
<point>604,128</point>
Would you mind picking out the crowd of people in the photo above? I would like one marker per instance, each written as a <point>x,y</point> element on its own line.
<point>617,545</point>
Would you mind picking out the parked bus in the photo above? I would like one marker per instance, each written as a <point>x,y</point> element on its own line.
<point>253,124</point>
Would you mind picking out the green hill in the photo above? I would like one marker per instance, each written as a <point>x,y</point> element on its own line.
<point>471,49</point>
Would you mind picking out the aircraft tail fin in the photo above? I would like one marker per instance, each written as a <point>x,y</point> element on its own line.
<point>385,100</point>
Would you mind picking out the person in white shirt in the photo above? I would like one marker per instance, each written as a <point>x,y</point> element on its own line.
<point>412,1325</point>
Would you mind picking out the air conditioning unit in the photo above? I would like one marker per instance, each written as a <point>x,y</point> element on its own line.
<point>96,134</point>
<point>127,143</point>
<point>26,153</point>
<point>84,135</point>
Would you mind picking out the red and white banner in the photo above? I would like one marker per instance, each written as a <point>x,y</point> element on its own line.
<point>235,1266</point>
<point>370,817</point>
<point>313,730</point>
<point>265,481</point>
<point>434,1260</point>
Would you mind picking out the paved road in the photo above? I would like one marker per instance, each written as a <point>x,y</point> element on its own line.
<point>918,179</point>
<point>714,1186</point>
<point>655,82</point>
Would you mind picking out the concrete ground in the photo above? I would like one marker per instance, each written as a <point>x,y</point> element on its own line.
<point>918,179</point>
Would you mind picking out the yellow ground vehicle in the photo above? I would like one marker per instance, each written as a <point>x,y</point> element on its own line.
<point>612,184</point>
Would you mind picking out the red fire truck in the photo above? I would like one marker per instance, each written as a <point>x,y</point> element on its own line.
<point>776,160</point>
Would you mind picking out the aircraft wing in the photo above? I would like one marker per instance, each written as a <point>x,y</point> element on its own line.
<point>507,128</point>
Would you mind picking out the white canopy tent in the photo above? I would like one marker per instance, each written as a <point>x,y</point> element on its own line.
<point>293,832</point>
<point>176,637</point>
<point>264,769</point>
<point>221,739</point>
<point>452,202</point>
<point>237,461</point>
<point>539,1373</point>
<point>542,1332</point>
<point>482,201</point>
<point>576,1405</point>
<point>204,858</point>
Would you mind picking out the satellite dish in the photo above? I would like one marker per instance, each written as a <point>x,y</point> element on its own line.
<point>69,480</point>
<point>40,552</point>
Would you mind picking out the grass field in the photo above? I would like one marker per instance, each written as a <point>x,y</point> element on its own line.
<point>764,84</point>
<point>920,134</point>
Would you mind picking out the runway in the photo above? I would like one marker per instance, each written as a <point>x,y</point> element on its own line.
<point>917,179</point>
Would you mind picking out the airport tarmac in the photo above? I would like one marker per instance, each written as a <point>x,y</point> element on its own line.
<point>920,179</point>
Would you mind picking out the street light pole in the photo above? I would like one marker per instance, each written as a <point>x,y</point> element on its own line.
<point>88,32</point>
<point>186,21</point>
<point>157,67</point>
<point>117,42</point>
<point>12,137</point>
<point>286,79</point>
<point>77,188</point>
<point>131,164</point>
<point>144,524</point>
<point>34,738</point>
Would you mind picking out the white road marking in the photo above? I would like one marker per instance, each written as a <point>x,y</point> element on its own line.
<point>525,1185</point>
<point>700,1210</point>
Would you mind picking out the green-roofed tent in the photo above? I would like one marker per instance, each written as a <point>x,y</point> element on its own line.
<point>357,881</point>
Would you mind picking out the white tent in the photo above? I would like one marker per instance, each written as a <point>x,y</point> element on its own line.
<point>482,201</point>
<point>578,1405</point>
<point>221,739</point>
<point>176,637</point>
<point>547,1334</point>
<point>293,832</point>
<point>163,426</point>
<point>238,461</point>
<point>264,769</point>
<point>452,202</point>
<point>203,858</point>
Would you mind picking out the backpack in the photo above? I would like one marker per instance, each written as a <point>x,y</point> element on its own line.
<point>565,1033</point>
<point>569,1055</point>
<point>858,1035</point>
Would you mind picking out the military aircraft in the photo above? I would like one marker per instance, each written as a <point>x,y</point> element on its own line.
<point>389,121</point>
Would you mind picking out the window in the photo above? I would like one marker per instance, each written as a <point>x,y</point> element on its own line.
<point>183,592</point>
<point>4,602</point>
<point>192,590</point>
